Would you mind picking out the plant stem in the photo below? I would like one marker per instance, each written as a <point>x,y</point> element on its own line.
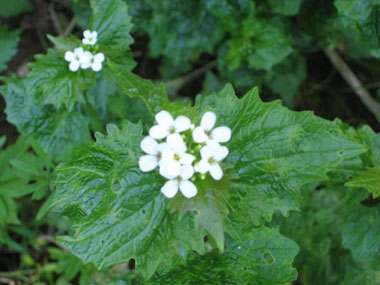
<point>372,105</point>
<point>96,123</point>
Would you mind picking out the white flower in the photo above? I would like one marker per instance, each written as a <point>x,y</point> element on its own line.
<point>74,58</point>
<point>212,153</point>
<point>154,152</point>
<point>167,125</point>
<point>182,183</point>
<point>90,38</point>
<point>174,157</point>
<point>205,131</point>
<point>96,61</point>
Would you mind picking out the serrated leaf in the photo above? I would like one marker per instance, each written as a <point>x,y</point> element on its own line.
<point>112,22</point>
<point>52,82</point>
<point>262,257</point>
<point>56,131</point>
<point>368,179</point>
<point>118,212</point>
<point>274,152</point>
<point>9,41</point>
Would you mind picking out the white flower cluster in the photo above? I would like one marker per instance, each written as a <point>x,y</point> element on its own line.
<point>84,58</point>
<point>180,150</point>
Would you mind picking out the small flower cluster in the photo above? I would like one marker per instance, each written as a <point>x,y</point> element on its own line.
<point>179,150</point>
<point>85,59</point>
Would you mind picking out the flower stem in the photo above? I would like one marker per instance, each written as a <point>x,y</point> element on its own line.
<point>96,123</point>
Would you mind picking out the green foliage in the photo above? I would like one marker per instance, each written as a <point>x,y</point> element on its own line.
<point>56,131</point>
<point>362,17</point>
<point>13,8</point>
<point>116,215</point>
<point>286,7</point>
<point>262,257</point>
<point>369,179</point>
<point>9,41</point>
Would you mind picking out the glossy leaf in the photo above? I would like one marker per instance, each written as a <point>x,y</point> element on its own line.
<point>262,257</point>
<point>118,212</point>
<point>368,179</point>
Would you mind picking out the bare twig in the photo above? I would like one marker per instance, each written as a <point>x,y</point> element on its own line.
<point>7,281</point>
<point>55,19</point>
<point>349,76</point>
<point>191,75</point>
<point>70,27</point>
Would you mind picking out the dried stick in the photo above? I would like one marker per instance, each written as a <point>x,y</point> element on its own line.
<point>349,76</point>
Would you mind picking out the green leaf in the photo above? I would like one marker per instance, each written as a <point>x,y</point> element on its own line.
<point>273,152</point>
<point>57,132</point>
<point>286,7</point>
<point>285,78</point>
<point>113,24</point>
<point>13,8</point>
<point>118,212</point>
<point>362,17</point>
<point>52,82</point>
<point>360,227</point>
<point>368,179</point>
<point>262,257</point>
<point>154,97</point>
<point>9,41</point>
<point>262,44</point>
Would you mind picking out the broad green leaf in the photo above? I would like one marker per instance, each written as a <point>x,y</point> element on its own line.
<point>262,257</point>
<point>273,152</point>
<point>57,132</point>
<point>154,97</point>
<point>368,179</point>
<point>13,8</point>
<point>286,7</point>
<point>112,22</point>
<point>360,227</point>
<point>52,82</point>
<point>9,41</point>
<point>362,17</point>
<point>118,212</point>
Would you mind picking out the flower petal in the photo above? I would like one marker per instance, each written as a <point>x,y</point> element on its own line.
<point>94,34</point>
<point>220,153</point>
<point>147,162</point>
<point>157,132</point>
<point>206,152</point>
<point>149,145</point>
<point>164,119</point>
<point>176,143</point>
<point>182,124</point>
<point>187,171</point>
<point>96,66</point>
<point>199,135</point>
<point>188,188</point>
<point>87,34</point>
<point>187,158</point>
<point>203,166</point>
<point>69,56</point>
<point>170,189</point>
<point>78,51</point>
<point>74,65</point>
<point>221,134</point>
<point>99,57</point>
<point>169,169</point>
<point>208,121</point>
<point>216,171</point>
